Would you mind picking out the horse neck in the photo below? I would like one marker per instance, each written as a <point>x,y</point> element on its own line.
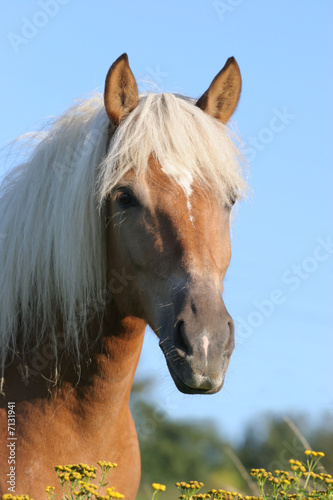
<point>103,381</point>
<point>114,365</point>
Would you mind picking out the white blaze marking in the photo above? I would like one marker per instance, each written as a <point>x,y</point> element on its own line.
<point>205,344</point>
<point>186,184</point>
<point>184,179</point>
<point>189,207</point>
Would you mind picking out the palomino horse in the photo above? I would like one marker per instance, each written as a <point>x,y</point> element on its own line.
<point>119,219</point>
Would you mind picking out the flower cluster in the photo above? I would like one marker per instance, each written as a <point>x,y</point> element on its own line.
<point>106,465</point>
<point>159,487</point>
<point>77,480</point>
<point>92,489</point>
<point>296,484</point>
<point>302,482</point>
<point>226,495</point>
<point>8,496</point>
<point>188,489</point>
<point>113,494</point>
<point>281,482</point>
<point>76,472</point>
<point>280,485</point>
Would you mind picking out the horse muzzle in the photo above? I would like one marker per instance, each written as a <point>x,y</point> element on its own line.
<point>197,357</point>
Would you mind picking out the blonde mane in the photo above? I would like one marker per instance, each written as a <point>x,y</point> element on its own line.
<point>52,250</point>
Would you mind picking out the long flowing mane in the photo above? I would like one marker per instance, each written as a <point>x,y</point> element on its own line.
<point>53,249</point>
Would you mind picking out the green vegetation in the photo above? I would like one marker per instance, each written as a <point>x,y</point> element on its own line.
<point>182,451</point>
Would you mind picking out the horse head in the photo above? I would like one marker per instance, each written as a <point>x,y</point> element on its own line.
<point>168,223</point>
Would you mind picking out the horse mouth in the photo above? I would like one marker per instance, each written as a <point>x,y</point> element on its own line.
<point>185,388</point>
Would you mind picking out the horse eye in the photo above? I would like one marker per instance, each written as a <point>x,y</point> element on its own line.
<point>231,202</point>
<point>126,200</point>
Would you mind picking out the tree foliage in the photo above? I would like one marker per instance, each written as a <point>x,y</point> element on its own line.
<point>174,450</point>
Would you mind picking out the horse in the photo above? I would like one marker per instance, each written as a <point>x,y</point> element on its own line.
<point>118,218</point>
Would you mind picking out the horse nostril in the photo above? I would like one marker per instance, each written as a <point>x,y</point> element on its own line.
<point>231,337</point>
<point>180,339</point>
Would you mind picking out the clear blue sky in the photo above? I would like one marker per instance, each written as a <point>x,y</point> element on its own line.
<point>279,285</point>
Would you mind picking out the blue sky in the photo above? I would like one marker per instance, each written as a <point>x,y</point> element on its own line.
<point>279,284</point>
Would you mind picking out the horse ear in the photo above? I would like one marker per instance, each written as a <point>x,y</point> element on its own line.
<point>121,91</point>
<point>222,97</point>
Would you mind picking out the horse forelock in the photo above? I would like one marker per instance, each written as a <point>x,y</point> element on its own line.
<point>187,143</point>
<point>52,237</point>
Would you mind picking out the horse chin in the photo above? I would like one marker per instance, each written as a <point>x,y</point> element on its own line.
<point>191,389</point>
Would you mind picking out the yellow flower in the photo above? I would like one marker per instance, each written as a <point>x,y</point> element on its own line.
<point>159,487</point>
<point>114,494</point>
